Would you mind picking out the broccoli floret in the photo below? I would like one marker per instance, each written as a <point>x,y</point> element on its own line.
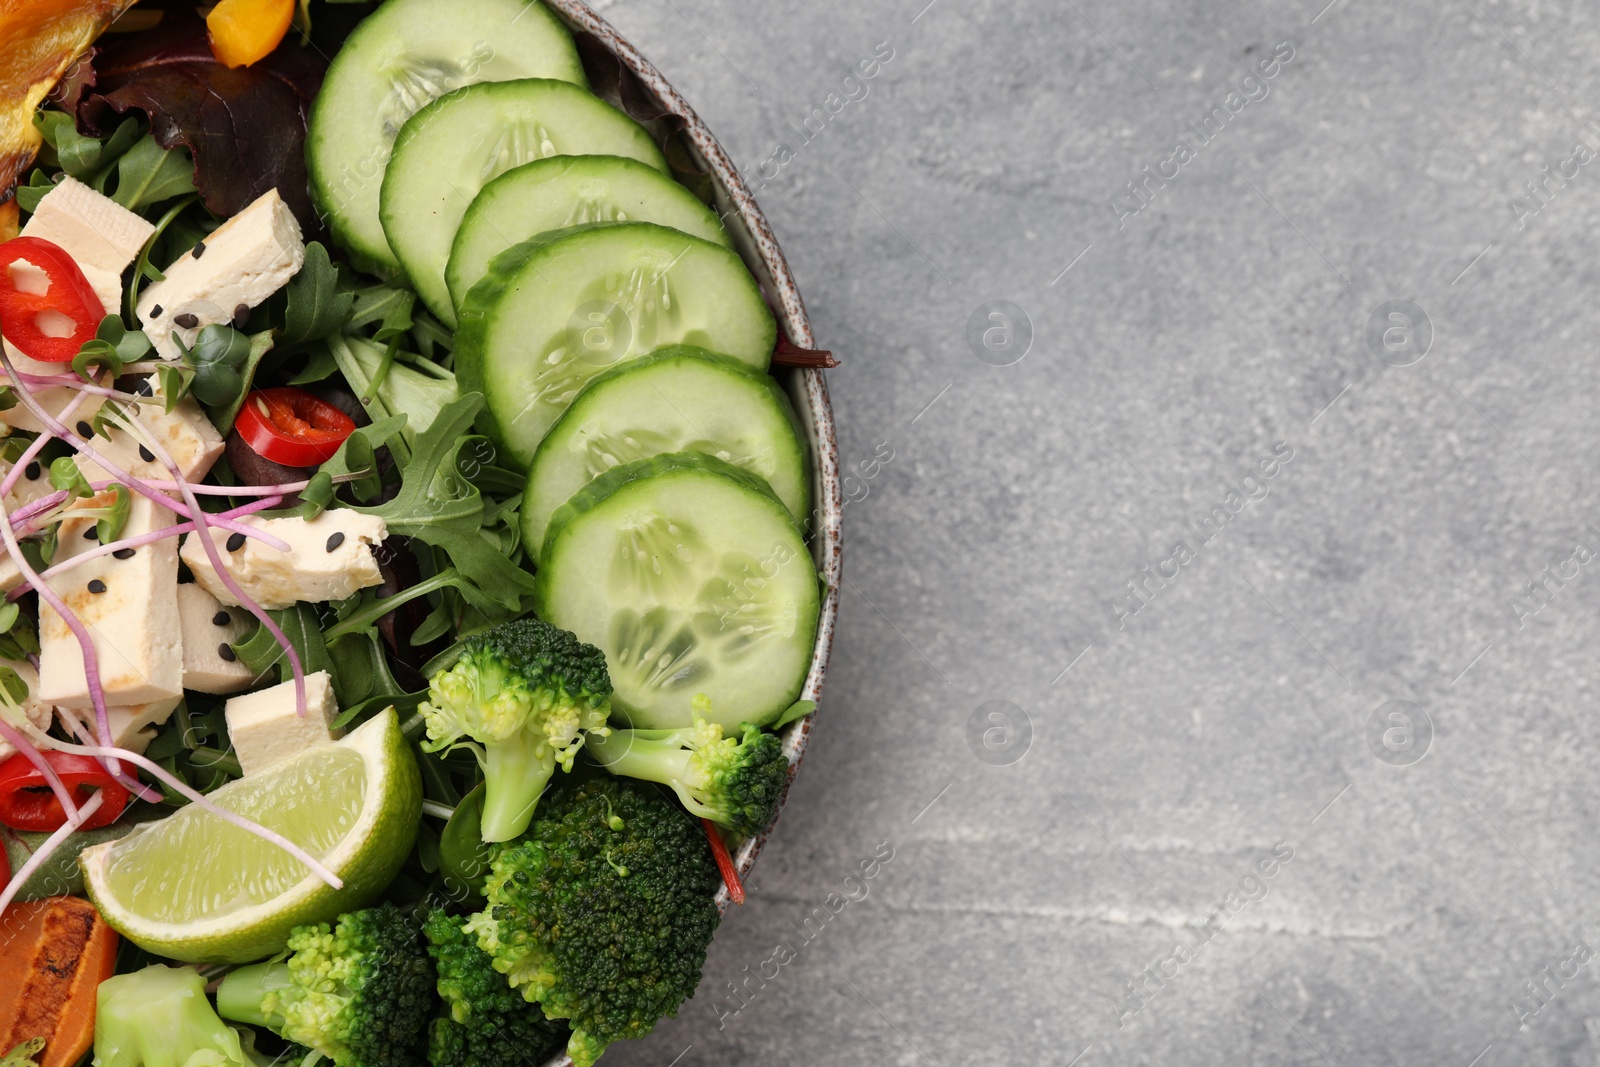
<point>602,913</point>
<point>160,1017</point>
<point>485,1023</point>
<point>734,782</point>
<point>360,993</point>
<point>525,693</point>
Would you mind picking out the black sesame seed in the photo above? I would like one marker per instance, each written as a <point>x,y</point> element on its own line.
<point>33,471</point>
<point>221,618</point>
<point>186,320</point>
<point>241,316</point>
<point>235,542</point>
<point>335,540</point>
<point>84,429</point>
<point>226,651</point>
<point>125,553</point>
<point>92,533</point>
<point>199,250</point>
<point>146,455</point>
<point>97,586</point>
<point>155,312</point>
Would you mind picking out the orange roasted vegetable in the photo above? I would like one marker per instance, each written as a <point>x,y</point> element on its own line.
<point>39,39</point>
<point>54,954</point>
<point>243,32</point>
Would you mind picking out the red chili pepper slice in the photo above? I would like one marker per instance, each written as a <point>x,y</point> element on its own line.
<point>719,852</point>
<point>27,802</point>
<point>292,427</point>
<point>47,319</point>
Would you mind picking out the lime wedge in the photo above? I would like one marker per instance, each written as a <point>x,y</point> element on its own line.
<point>197,888</point>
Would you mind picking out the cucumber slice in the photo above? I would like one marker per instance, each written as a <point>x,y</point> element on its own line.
<point>401,56</point>
<point>555,311</point>
<point>448,150</point>
<point>692,578</point>
<point>553,194</point>
<point>675,400</point>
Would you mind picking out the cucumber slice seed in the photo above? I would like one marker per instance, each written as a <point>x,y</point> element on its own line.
<point>455,145</point>
<point>555,311</point>
<point>398,58</point>
<point>554,194</point>
<point>674,400</point>
<point>692,578</point>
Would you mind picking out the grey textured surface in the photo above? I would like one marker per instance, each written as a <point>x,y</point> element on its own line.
<point>1172,751</point>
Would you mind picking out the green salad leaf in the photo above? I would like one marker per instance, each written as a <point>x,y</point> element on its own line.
<point>439,506</point>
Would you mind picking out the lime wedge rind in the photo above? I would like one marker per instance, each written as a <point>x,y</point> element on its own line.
<point>366,858</point>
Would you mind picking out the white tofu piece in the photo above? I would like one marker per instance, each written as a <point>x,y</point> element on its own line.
<point>103,238</point>
<point>242,262</point>
<point>37,712</point>
<point>133,728</point>
<point>265,727</point>
<point>208,628</point>
<point>185,432</point>
<point>133,621</point>
<point>330,558</point>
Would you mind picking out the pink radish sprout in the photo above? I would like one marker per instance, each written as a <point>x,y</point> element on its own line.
<point>46,850</point>
<point>35,447</point>
<point>91,660</point>
<point>200,799</point>
<point>23,519</point>
<point>140,541</point>
<point>71,437</point>
<point>203,532</point>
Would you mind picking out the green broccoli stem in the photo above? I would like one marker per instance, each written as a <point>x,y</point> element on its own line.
<point>653,759</point>
<point>515,773</point>
<point>240,995</point>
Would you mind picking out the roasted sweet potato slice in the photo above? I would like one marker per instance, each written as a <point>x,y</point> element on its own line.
<point>54,954</point>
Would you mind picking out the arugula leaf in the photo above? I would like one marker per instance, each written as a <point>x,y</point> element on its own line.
<point>798,710</point>
<point>261,652</point>
<point>367,615</point>
<point>438,506</point>
<point>148,174</point>
<point>28,196</point>
<point>87,159</point>
<point>319,366</point>
<point>360,670</point>
<point>357,455</point>
<point>313,304</point>
<point>385,387</point>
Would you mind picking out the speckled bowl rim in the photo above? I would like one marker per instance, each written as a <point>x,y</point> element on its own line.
<point>754,240</point>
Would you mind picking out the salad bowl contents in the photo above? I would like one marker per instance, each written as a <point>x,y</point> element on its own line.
<point>421,536</point>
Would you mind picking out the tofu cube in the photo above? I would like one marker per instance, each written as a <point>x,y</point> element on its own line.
<point>265,727</point>
<point>185,432</point>
<point>242,262</point>
<point>208,630</point>
<point>37,711</point>
<point>330,558</point>
<point>130,608</point>
<point>133,728</point>
<point>103,238</point>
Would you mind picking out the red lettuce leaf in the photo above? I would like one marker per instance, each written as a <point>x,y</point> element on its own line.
<point>245,128</point>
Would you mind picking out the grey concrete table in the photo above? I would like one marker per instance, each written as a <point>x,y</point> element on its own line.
<point>1219,392</point>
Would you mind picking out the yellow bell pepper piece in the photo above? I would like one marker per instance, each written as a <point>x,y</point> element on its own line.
<point>246,31</point>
